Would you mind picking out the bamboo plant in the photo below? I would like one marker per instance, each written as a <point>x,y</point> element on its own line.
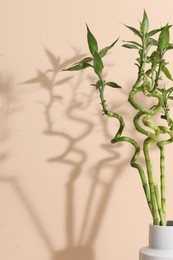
<point>152,45</point>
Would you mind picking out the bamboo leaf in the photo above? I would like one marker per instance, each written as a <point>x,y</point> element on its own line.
<point>98,64</point>
<point>134,30</point>
<point>138,60</point>
<point>170,46</point>
<point>112,84</point>
<point>145,23</point>
<point>167,73</point>
<point>153,42</point>
<point>78,66</point>
<point>134,43</point>
<point>160,89</point>
<point>87,59</point>
<point>170,90</point>
<point>104,51</point>
<point>130,46</point>
<point>164,36</point>
<point>154,54</point>
<point>148,72</point>
<point>153,32</point>
<point>92,42</point>
<point>154,59</point>
<point>164,94</point>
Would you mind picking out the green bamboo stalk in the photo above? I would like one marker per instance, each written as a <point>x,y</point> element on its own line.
<point>150,180</point>
<point>162,178</point>
<point>135,104</point>
<point>136,165</point>
<point>162,166</point>
<point>139,128</point>
<point>151,139</point>
<point>110,113</point>
<point>153,187</point>
<point>147,144</point>
<point>119,138</point>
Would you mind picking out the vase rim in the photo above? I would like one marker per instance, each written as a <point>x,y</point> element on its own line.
<point>169,223</point>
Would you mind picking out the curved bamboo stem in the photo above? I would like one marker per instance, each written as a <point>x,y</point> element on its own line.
<point>119,138</point>
<point>155,197</point>
<point>151,139</point>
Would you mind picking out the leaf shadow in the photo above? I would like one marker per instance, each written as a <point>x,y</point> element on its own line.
<point>84,247</point>
<point>104,175</point>
<point>48,81</point>
<point>8,106</point>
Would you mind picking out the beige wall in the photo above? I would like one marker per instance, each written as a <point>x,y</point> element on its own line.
<point>65,192</point>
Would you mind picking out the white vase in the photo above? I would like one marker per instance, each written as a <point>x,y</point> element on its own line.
<point>160,243</point>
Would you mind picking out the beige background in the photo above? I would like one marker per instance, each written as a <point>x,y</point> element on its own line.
<point>65,192</point>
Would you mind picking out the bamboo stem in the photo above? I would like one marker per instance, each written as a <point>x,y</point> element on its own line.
<point>162,180</point>
<point>137,166</point>
<point>147,143</point>
<point>162,166</point>
<point>119,138</point>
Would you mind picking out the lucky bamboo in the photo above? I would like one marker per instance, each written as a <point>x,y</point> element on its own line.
<point>151,66</point>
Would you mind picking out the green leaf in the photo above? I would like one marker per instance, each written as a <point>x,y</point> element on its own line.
<point>78,66</point>
<point>164,95</point>
<point>169,90</point>
<point>92,42</point>
<point>130,46</point>
<point>160,89</point>
<point>112,84</point>
<point>153,42</point>
<point>170,97</point>
<point>134,30</point>
<point>153,32</point>
<point>148,72</point>
<point>170,46</point>
<point>154,58</point>
<point>145,23</point>
<point>164,36</point>
<point>98,64</point>
<point>87,59</point>
<point>167,73</point>
<point>138,60</point>
<point>104,51</point>
<point>134,43</point>
<point>154,54</point>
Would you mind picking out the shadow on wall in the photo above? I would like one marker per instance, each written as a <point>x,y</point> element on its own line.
<point>7,107</point>
<point>103,176</point>
<point>83,249</point>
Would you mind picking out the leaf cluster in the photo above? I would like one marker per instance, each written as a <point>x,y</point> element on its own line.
<point>167,94</point>
<point>94,61</point>
<point>155,60</point>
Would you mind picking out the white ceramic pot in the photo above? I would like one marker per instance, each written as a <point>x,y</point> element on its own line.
<point>160,243</point>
